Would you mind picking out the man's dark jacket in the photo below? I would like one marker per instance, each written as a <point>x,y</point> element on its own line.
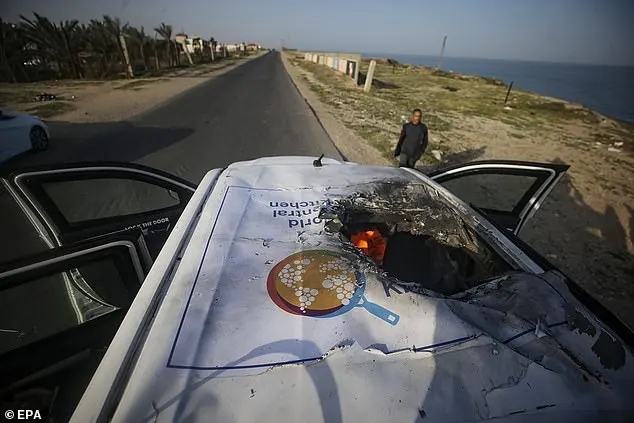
<point>413,140</point>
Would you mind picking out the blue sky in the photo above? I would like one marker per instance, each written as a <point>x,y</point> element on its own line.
<point>579,31</point>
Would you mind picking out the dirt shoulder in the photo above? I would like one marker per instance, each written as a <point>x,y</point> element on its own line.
<point>107,101</point>
<point>353,147</point>
<point>586,227</point>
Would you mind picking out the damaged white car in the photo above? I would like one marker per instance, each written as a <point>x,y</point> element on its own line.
<point>291,289</point>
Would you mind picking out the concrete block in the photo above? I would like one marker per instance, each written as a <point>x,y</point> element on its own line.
<point>368,79</point>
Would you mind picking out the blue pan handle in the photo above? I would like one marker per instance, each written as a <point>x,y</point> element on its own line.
<point>380,312</point>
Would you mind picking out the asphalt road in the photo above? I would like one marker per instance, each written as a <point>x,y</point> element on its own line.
<point>253,111</point>
<point>249,112</point>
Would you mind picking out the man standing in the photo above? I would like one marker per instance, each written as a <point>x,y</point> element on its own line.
<point>412,142</point>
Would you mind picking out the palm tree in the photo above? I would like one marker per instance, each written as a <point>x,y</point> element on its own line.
<point>55,43</point>
<point>71,38</point>
<point>38,48</point>
<point>99,44</point>
<point>11,52</point>
<point>139,40</point>
<point>116,30</point>
<point>165,31</point>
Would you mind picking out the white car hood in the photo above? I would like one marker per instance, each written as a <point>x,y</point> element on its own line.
<point>224,345</point>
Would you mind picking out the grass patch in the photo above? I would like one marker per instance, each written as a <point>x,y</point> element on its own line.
<point>136,85</point>
<point>16,96</point>
<point>48,110</point>
<point>377,137</point>
<point>316,88</point>
<point>550,106</point>
<point>72,83</point>
<point>436,123</point>
<point>560,111</point>
<point>493,81</point>
<point>443,74</point>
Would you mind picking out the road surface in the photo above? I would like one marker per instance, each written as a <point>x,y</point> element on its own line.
<point>249,112</point>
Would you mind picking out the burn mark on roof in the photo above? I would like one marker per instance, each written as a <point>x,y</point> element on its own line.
<point>610,351</point>
<point>428,245</point>
<point>578,322</point>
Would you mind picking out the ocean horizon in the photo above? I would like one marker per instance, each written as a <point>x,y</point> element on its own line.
<point>607,89</point>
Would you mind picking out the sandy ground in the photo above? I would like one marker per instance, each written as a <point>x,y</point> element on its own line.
<point>586,227</point>
<point>107,101</point>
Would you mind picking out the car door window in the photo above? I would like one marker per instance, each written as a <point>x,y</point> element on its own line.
<point>79,202</point>
<point>59,293</point>
<point>507,192</point>
<point>59,311</point>
<point>504,193</point>
<point>19,238</point>
<point>53,303</point>
<point>100,198</point>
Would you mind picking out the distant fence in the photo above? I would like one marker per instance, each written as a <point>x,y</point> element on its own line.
<point>345,63</point>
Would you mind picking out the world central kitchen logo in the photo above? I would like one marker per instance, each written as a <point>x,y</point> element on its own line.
<point>321,284</point>
<point>300,214</point>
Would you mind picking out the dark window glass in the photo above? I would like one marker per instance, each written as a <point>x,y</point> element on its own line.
<point>88,199</point>
<point>500,192</point>
<point>47,305</point>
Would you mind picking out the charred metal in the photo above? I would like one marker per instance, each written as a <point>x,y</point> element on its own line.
<point>427,242</point>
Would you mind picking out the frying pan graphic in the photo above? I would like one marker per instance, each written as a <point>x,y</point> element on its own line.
<point>322,284</point>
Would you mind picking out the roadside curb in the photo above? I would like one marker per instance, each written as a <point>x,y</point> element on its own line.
<point>351,146</point>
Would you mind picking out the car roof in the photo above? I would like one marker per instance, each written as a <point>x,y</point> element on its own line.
<point>213,335</point>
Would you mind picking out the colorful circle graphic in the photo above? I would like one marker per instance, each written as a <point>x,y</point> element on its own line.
<point>320,283</point>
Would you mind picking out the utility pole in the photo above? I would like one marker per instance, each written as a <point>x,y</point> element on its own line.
<point>442,52</point>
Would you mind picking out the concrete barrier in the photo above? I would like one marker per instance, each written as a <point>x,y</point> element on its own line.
<point>345,63</point>
<point>369,76</point>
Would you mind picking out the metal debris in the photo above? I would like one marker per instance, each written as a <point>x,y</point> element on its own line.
<point>414,220</point>
<point>44,97</point>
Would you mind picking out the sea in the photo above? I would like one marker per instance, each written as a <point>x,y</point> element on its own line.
<point>606,89</point>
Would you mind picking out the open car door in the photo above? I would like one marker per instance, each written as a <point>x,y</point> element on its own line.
<point>507,192</point>
<point>59,311</point>
<point>76,202</point>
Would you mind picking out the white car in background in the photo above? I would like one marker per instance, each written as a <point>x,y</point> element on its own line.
<point>20,133</point>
